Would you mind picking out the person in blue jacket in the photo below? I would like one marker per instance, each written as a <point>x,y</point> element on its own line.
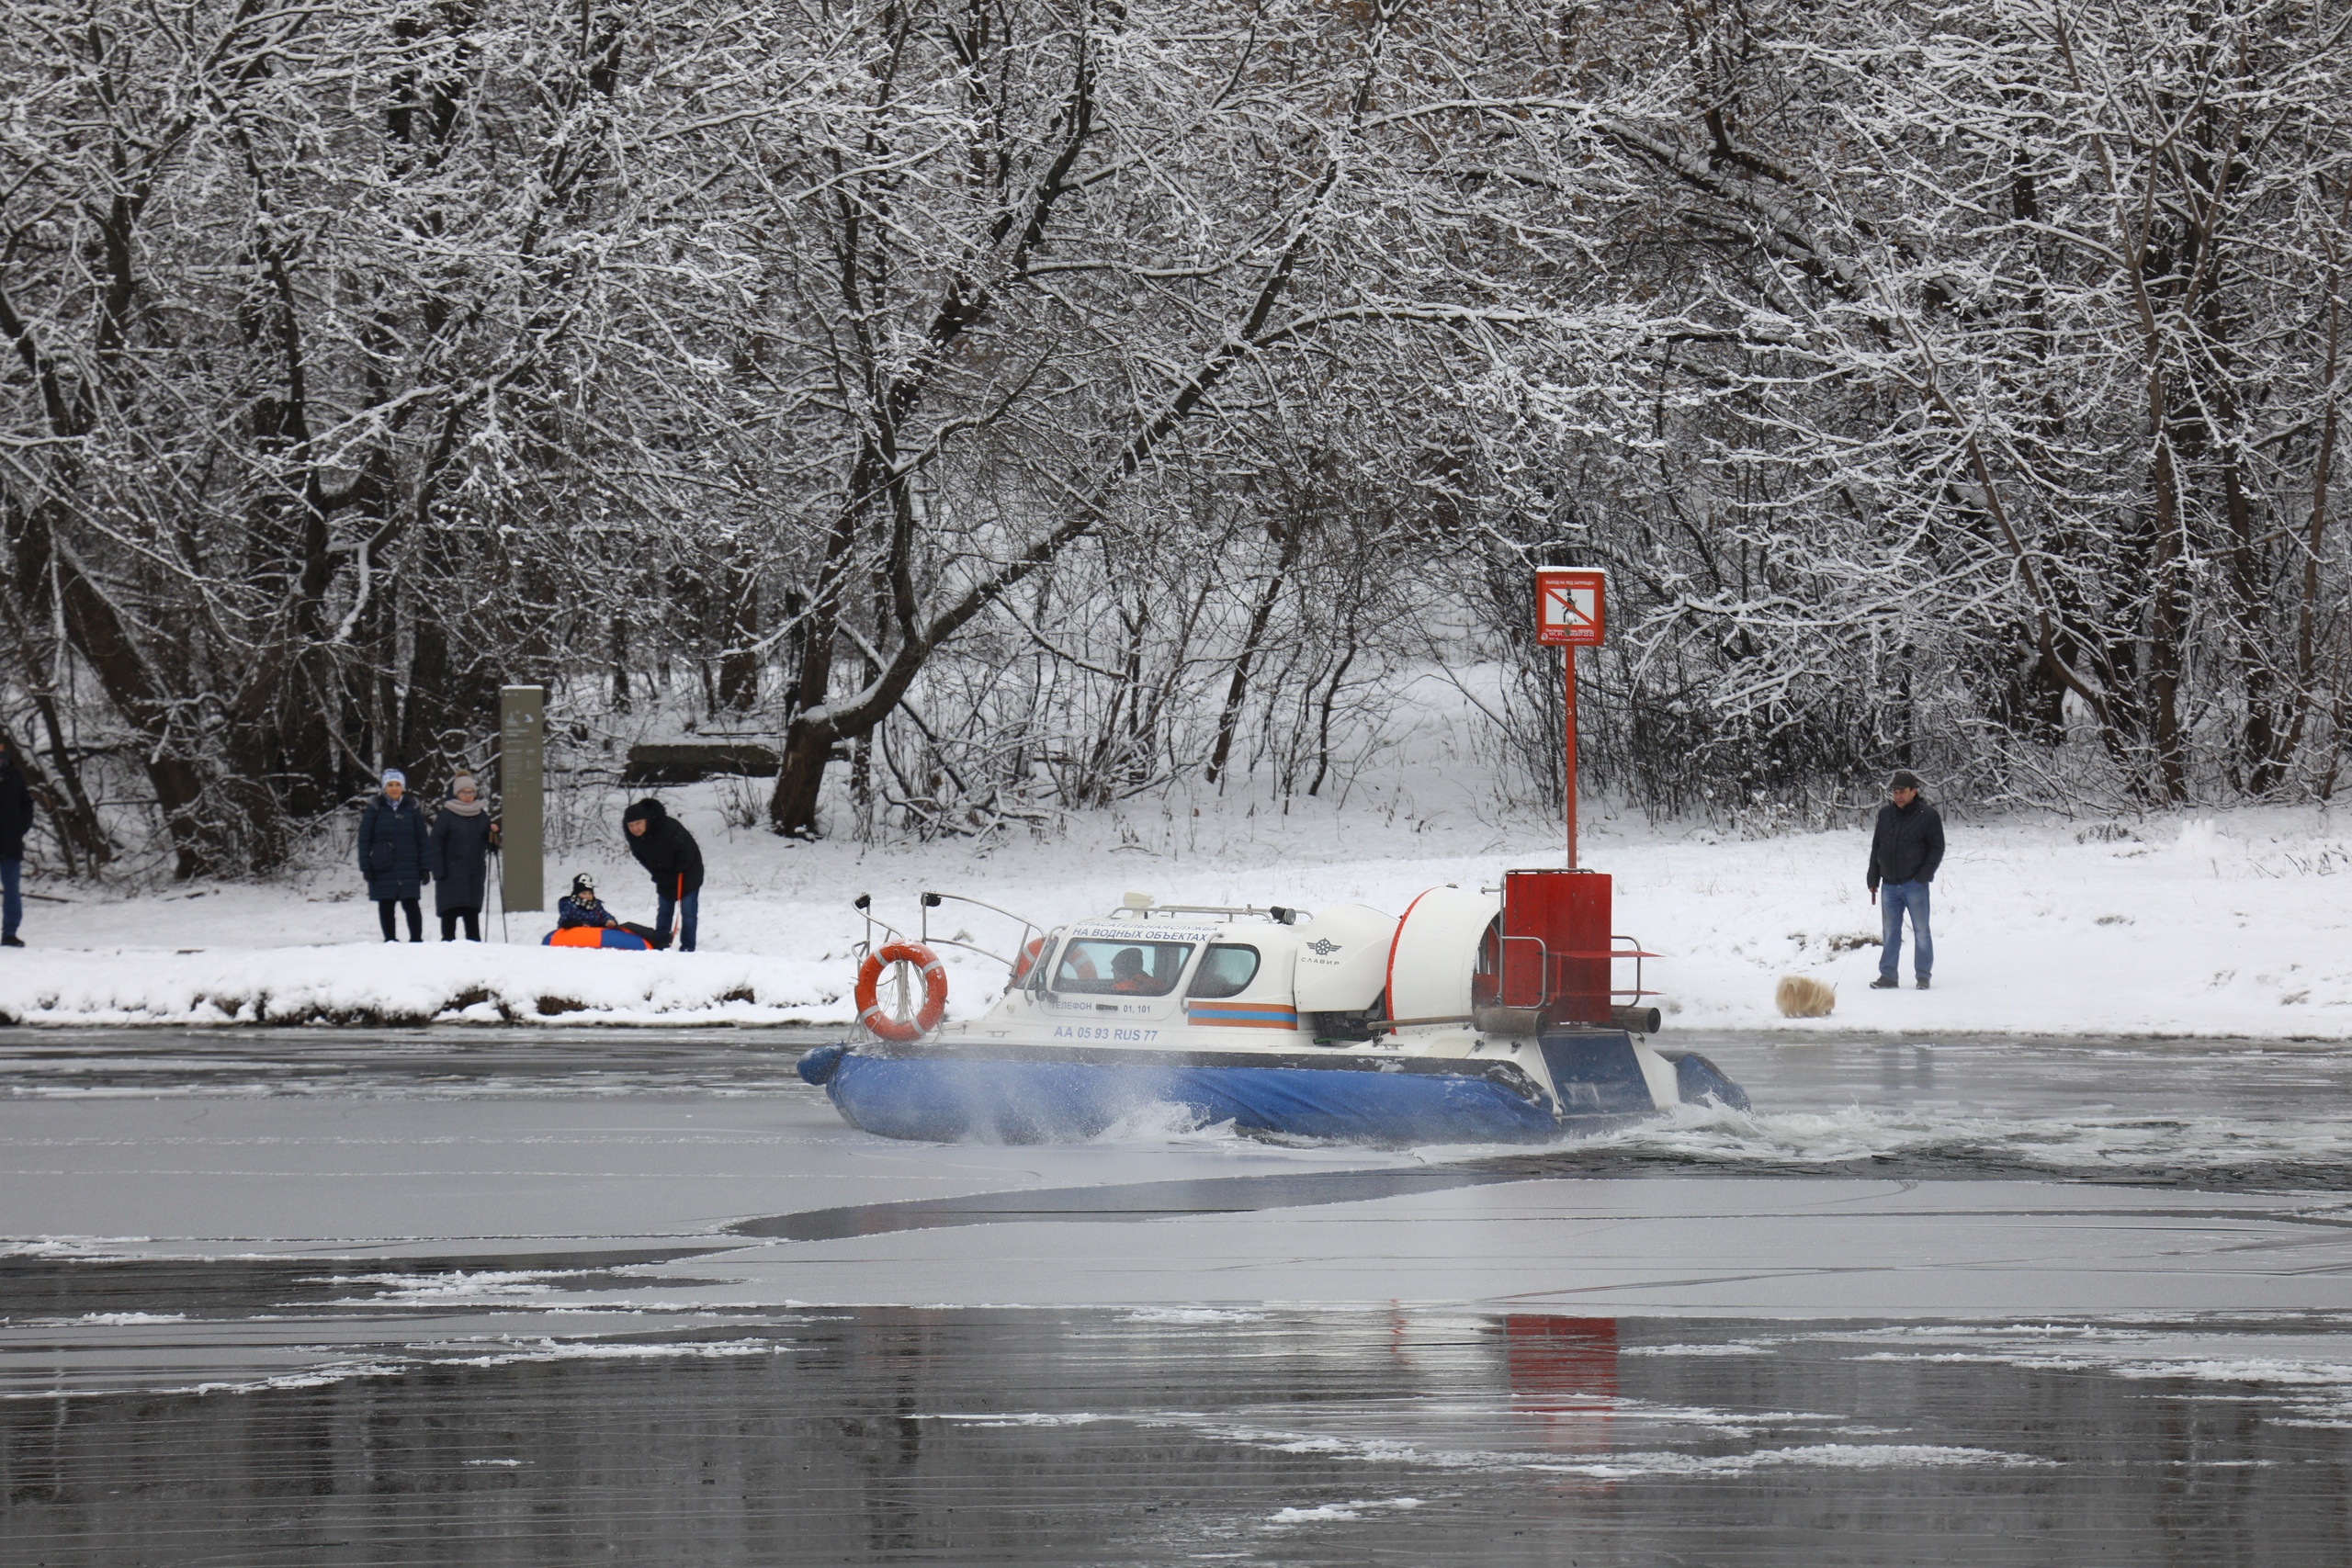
<point>394,855</point>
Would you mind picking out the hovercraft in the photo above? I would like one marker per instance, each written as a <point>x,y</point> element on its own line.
<point>1474,1017</point>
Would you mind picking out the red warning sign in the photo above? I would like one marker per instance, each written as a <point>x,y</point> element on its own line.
<point>1571,606</point>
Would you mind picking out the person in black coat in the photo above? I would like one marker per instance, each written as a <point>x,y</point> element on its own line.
<point>394,855</point>
<point>1906,850</point>
<point>15,822</point>
<point>463,835</point>
<point>669,855</point>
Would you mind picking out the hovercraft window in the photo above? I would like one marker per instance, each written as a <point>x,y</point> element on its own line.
<point>1227,970</point>
<point>1121,968</point>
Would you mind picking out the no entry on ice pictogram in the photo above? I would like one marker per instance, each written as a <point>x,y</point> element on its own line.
<point>1571,605</point>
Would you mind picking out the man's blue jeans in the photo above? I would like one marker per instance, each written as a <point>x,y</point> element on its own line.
<point>12,895</point>
<point>1893,899</point>
<point>685,909</point>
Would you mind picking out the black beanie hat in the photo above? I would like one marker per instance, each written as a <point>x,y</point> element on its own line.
<point>1904,779</point>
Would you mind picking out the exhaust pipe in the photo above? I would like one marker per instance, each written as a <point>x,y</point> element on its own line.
<point>1529,1021</point>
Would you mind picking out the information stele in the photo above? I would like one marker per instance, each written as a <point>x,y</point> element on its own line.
<point>522,787</point>
<point>1571,606</point>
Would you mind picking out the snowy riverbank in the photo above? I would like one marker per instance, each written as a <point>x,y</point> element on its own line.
<point>2236,925</point>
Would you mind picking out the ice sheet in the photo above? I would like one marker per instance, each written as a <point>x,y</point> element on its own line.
<point>349,1296</point>
<point>1656,1245</point>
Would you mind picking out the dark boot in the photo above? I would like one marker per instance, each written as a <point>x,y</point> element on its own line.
<point>1923,982</point>
<point>1886,982</point>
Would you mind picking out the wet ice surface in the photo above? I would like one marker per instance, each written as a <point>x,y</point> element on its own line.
<point>893,1435</point>
<point>431,1296</point>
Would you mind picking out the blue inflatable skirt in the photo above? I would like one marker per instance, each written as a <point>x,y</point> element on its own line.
<point>943,1099</point>
<point>596,936</point>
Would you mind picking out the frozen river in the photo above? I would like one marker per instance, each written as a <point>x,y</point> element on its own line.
<point>477,1296</point>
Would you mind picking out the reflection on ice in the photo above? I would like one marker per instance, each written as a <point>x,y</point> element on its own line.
<point>484,1285</point>
<point>1832,1456</point>
<point>1379,1437</point>
<point>1353,1508</point>
<point>2307,1376</point>
<point>1191,1315</point>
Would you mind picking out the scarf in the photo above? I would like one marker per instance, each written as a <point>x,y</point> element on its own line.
<point>463,808</point>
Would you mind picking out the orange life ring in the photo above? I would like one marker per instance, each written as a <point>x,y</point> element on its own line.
<point>1021,965</point>
<point>888,1026</point>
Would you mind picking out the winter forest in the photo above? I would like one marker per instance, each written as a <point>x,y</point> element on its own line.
<point>1012,406</point>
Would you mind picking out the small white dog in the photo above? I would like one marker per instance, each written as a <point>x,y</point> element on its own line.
<point>1800,995</point>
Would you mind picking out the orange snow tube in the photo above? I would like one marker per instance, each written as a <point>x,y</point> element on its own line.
<point>886,1024</point>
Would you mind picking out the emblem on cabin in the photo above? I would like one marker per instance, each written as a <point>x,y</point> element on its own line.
<point>1322,947</point>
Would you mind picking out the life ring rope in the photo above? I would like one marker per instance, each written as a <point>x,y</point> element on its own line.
<point>890,1023</point>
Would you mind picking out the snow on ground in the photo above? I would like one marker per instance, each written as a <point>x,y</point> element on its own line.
<point>2233,924</point>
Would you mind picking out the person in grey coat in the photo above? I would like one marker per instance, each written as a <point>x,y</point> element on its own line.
<point>463,835</point>
<point>393,855</point>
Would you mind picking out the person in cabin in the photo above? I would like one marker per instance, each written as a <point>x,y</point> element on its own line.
<point>1906,848</point>
<point>669,855</point>
<point>394,856</point>
<point>1126,972</point>
<point>463,835</point>
<point>15,822</point>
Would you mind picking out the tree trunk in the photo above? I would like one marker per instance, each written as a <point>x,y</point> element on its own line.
<point>618,660</point>
<point>1237,690</point>
<point>739,660</point>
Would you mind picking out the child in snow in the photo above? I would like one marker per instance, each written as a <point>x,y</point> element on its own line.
<point>581,907</point>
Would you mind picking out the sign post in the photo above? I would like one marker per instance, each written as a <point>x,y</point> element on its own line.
<point>1571,612</point>
<point>522,786</point>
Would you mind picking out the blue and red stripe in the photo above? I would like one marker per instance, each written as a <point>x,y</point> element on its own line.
<point>1242,1015</point>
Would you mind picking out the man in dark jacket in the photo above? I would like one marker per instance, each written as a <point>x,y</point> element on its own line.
<point>1904,852</point>
<point>15,822</point>
<point>669,855</point>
